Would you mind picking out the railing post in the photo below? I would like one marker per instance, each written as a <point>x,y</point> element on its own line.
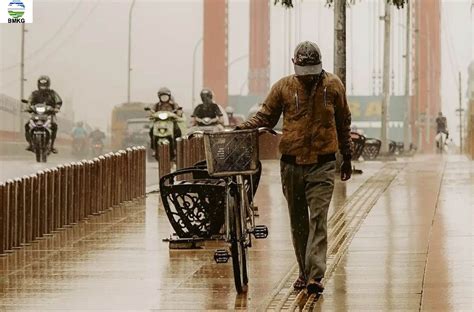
<point>36,206</point>
<point>88,189</point>
<point>179,153</point>
<point>95,184</point>
<point>20,217</point>
<point>77,193</point>
<point>29,204</point>
<point>57,198</point>
<point>82,206</point>
<point>42,204</point>
<point>49,216</point>
<point>12,216</point>
<point>109,168</point>
<point>143,171</point>
<point>3,221</point>
<point>69,213</point>
<point>103,187</point>
<point>62,212</point>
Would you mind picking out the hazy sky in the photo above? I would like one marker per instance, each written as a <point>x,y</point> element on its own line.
<point>82,46</point>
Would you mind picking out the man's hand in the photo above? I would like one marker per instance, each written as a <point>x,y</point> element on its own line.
<point>346,170</point>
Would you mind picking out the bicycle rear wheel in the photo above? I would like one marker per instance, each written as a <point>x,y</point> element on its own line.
<point>237,246</point>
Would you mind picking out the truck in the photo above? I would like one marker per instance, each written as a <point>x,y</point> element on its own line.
<point>121,114</point>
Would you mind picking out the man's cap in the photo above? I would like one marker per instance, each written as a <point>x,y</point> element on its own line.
<point>307,59</point>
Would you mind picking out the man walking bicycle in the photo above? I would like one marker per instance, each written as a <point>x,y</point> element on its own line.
<point>316,123</point>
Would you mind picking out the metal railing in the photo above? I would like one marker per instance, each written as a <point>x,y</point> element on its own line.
<point>34,207</point>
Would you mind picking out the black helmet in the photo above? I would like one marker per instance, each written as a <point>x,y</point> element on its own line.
<point>307,59</point>
<point>164,94</point>
<point>44,82</point>
<point>206,96</point>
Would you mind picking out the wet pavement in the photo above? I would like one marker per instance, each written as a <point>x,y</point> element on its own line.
<point>400,239</point>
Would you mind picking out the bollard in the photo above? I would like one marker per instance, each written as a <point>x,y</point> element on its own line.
<point>89,188</point>
<point>11,215</point>
<point>121,176</point>
<point>20,212</point>
<point>62,212</point>
<point>202,154</point>
<point>143,171</point>
<point>42,204</point>
<point>135,173</point>
<point>113,160</point>
<point>179,153</point>
<point>129,174</point>
<point>186,153</point>
<point>56,199</point>
<point>103,179</point>
<point>49,218</point>
<point>29,198</point>
<point>117,194</point>
<point>164,159</point>
<point>108,193</point>
<point>76,207</point>
<point>3,223</point>
<point>82,197</point>
<point>94,185</point>
<point>36,206</point>
<point>69,213</point>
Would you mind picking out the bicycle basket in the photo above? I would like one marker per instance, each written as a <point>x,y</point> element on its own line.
<point>231,153</point>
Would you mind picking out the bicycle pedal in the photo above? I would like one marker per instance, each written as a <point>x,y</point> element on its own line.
<point>260,231</point>
<point>221,256</point>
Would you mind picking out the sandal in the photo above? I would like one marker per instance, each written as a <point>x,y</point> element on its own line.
<point>300,283</point>
<point>315,287</point>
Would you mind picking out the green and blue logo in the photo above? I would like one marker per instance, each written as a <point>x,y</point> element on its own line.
<point>16,9</point>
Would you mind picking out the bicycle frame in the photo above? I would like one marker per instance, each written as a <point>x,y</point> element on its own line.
<point>247,215</point>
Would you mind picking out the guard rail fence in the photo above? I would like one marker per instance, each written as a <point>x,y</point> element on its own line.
<point>34,207</point>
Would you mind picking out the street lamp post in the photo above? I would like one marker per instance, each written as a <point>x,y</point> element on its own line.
<point>129,69</point>
<point>193,100</point>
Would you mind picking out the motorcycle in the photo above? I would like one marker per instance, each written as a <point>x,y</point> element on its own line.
<point>79,147</point>
<point>207,124</point>
<point>40,129</point>
<point>97,148</point>
<point>164,129</point>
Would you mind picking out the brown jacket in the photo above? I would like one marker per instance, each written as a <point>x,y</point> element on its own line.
<point>313,124</point>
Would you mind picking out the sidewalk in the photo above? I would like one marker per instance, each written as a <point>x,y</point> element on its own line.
<point>406,252</point>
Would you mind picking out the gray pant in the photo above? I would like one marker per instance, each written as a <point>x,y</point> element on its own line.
<point>309,186</point>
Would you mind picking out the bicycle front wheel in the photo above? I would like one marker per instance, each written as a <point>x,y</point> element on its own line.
<point>237,246</point>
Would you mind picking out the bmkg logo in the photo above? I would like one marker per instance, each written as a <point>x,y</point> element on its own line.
<point>16,9</point>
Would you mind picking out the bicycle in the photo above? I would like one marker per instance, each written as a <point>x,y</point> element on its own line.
<point>230,155</point>
<point>441,142</point>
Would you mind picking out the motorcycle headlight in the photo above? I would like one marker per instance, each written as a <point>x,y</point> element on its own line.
<point>36,118</point>
<point>41,109</point>
<point>163,116</point>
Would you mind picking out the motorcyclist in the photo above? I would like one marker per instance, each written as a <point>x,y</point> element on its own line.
<point>233,120</point>
<point>208,108</point>
<point>97,136</point>
<point>51,98</point>
<point>78,132</point>
<point>441,126</point>
<point>166,103</point>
